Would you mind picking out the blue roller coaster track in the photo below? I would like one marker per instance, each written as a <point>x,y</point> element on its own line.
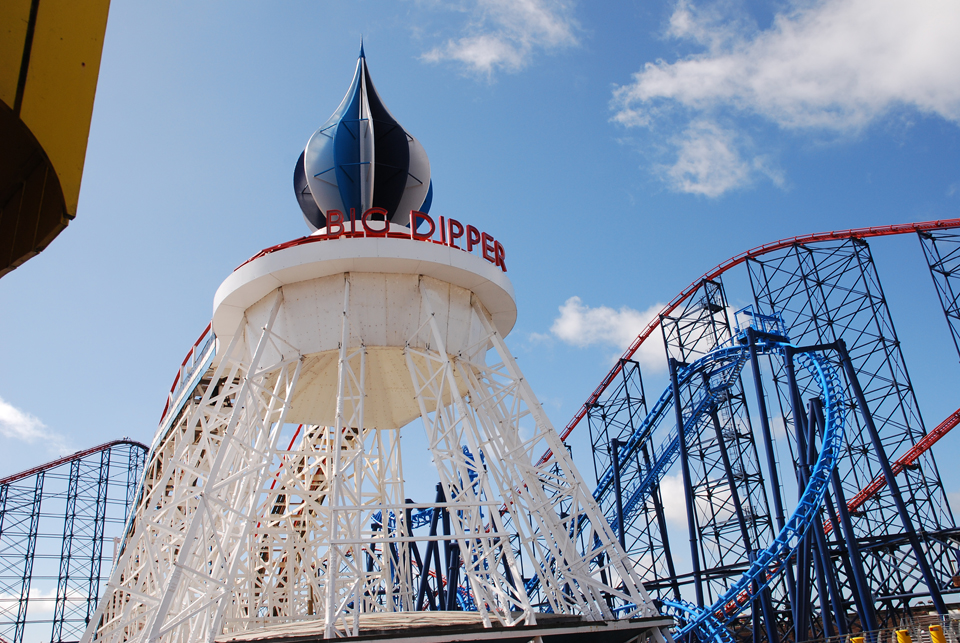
<point>710,621</point>
<point>719,370</point>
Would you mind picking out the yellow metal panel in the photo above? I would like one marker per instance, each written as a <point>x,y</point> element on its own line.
<point>61,84</point>
<point>14,16</point>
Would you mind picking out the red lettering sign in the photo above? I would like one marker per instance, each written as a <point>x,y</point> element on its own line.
<point>456,231</point>
<point>334,221</point>
<point>450,230</point>
<point>415,218</point>
<point>370,232</point>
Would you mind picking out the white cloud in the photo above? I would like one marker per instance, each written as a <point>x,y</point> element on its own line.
<point>709,162</point>
<point>833,66</point>
<point>674,500</point>
<point>18,425</point>
<point>502,34</point>
<point>954,499</point>
<point>582,326</point>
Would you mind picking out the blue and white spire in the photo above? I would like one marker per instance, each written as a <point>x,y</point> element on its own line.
<point>360,159</point>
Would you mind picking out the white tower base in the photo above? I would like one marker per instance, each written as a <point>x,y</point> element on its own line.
<point>355,338</point>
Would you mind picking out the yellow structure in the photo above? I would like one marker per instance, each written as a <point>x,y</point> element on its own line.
<point>936,634</point>
<point>49,62</point>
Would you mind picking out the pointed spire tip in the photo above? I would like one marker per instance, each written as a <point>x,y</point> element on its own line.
<point>361,47</point>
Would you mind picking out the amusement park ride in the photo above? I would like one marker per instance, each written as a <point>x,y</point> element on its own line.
<point>270,504</point>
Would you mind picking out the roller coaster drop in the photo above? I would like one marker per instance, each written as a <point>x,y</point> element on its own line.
<point>817,304</point>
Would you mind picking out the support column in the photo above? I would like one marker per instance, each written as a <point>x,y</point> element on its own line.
<point>892,483</point>
<point>687,483</point>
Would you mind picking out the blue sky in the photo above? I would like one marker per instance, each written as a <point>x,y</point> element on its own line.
<point>619,150</point>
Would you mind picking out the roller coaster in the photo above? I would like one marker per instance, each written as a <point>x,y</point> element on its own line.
<point>866,563</point>
<point>841,526</point>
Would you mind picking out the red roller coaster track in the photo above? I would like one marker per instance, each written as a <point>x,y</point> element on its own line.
<point>69,458</point>
<point>876,231</point>
<point>904,462</point>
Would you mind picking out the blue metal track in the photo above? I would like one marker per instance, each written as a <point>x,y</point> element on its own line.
<point>686,611</point>
<point>710,622</point>
<point>722,367</point>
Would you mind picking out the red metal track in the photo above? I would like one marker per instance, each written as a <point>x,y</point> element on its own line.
<point>69,458</point>
<point>876,231</point>
<point>905,461</point>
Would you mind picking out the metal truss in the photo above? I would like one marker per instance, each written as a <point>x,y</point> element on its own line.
<point>54,520</point>
<point>831,291</point>
<point>616,415</point>
<point>942,251</point>
<point>233,532</point>
<point>867,562</point>
<point>721,469</point>
<point>190,537</point>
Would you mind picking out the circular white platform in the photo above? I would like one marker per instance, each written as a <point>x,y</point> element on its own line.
<point>395,284</point>
<point>316,258</point>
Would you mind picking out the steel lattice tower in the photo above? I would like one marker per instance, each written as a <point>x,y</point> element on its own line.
<point>54,523</point>
<point>832,291</point>
<point>352,333</point>
<point>942,251</point>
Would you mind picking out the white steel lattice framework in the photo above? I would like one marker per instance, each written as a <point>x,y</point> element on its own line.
<point>234,532</point>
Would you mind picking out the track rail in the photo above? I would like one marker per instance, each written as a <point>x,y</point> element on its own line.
<point>902,463</point>
<point>185,370</point>
<point>69,458</point>
<point>736,260</point>
<point>710,622</point>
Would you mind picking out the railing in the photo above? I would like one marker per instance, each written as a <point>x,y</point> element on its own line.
<point>188,367</point>
<point>918,630</point>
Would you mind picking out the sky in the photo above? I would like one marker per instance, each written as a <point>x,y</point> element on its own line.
<point>619,150</point>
